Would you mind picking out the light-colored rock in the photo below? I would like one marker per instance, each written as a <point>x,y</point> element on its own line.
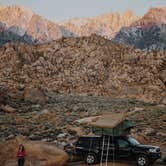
<point>75,130</point>
<point>163,100</point>
<point>150,132</point>
<point>62,135</point>
<point>35,95</point>
<point>8,109</point>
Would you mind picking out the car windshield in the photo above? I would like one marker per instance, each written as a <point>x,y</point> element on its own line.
<point>133,141</point>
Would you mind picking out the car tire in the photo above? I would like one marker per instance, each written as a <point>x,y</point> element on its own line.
<point>142,160</point>
<point>152,162</point>
<point>91,159</point>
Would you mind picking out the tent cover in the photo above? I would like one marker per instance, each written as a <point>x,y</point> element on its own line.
<point>112,124</point>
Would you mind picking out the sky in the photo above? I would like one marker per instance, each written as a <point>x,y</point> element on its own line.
<point>61,10</point>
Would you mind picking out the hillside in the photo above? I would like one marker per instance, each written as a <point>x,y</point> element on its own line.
<point>85,66</point>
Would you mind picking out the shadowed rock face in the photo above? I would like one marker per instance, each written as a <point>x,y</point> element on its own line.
<point>152,38</point>
<point>14,34</point>
<point>24,25</point>
<point>3,96</point>
<point>84,66</point>
<point>148,33</point>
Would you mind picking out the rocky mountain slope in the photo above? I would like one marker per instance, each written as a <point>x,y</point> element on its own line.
<point>84,66</point>
<point>14,34</point>
<point>106,25</point>
<point>148,33</point>
<point>155,16</point>
<point>24,25</point>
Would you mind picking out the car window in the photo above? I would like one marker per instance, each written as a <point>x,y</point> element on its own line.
<point>122,143</point>
<point>133,141</point>
<point>88,141</point>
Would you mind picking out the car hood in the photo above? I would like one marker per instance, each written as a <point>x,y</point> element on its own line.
<point>147,146</point>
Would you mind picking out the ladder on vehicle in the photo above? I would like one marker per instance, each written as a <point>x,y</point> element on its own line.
<point>107,151</point>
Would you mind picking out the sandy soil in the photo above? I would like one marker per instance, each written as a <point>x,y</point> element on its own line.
<point>38,153</point>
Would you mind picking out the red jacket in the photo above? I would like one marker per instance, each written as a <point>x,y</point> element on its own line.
<point>21,154</point>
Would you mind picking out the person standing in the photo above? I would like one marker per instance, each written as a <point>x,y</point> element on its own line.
<point>21,154</point>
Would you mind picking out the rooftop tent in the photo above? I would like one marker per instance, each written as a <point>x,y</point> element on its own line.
<point>111,124</point>
<point>121,129</point>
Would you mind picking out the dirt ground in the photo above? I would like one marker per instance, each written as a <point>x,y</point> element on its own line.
<point>109,164</point>
<point>38,153</point>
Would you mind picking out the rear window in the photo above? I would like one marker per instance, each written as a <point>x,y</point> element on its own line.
<point>89,141</point>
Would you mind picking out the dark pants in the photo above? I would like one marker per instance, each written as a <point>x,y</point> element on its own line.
<point>21,161</point>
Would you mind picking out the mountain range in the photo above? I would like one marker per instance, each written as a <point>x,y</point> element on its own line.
<point>23,25</point>
<point>20,22</point>
<point>146,33</point>
<point>106,25</point>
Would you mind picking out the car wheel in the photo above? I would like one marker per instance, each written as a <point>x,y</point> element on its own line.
<point>91,158</point>
<point>142,160</point>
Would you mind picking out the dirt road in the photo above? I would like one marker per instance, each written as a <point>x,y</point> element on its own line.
<point>109,164</point>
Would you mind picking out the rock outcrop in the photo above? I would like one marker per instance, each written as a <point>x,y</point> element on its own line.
<point>85,66</point>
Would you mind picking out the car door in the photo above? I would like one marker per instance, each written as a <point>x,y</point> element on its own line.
<point>123,148</point>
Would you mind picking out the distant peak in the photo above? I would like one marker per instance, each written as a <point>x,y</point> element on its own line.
<point>155,16</point>
<point>157,9</point>
<point>129,13</point>
<point>17,8</point>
